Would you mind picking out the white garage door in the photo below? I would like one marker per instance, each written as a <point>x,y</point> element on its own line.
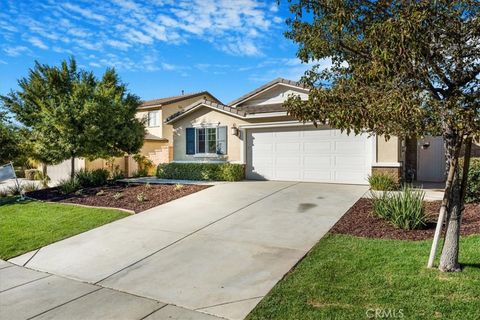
<point>308,154</point>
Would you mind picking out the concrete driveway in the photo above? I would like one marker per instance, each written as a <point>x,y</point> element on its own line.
<point>217,252</point>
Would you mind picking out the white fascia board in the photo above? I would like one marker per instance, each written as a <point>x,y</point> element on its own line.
<point>208,106</point>
<point>267,115</point>
<point>275,124</point>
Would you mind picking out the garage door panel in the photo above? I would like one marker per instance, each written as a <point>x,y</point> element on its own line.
<point>315,175</point>
<point>263,148</point>
<point>351,147</point>
<point>306,154</point>
<point>319,133</point>
<point>265,136</point>
<point>288,162</point>
<point>317,147</point>
<point>314,162</point>
<point>288,135</point>
<point>349,161</point>
<point>287,147</point>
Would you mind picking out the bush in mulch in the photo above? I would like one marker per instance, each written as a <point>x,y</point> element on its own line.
<point>360,221</point>
<point>137,197</point>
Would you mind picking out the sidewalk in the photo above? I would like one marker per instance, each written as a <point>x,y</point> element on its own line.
<point>26,294</point>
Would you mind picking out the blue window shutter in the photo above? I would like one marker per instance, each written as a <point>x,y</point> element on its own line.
<point>190,140</point>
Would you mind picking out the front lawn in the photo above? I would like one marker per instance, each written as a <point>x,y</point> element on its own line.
<point>28,225</point>
<point>347,277</point>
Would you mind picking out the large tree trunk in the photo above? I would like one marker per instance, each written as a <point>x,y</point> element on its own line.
<point>72,172</point>
<point>44,175</point>
<point>451,246</point>
<point>44,171</point>
<point>449,257</point>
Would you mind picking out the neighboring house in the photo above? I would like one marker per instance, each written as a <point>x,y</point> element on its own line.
<point>255,130</point>
<point>159,139</point>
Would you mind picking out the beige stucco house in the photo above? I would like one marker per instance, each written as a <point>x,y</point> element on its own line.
<point>255,130</point>
<point>159,139</point>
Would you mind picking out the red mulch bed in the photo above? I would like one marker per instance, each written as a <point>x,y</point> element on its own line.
<point>156,194</point>
<point>360,221</point>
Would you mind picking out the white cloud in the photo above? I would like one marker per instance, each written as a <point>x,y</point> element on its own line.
<point>126,27</point>
<point>15,51</point>
<point>87,13</point>
<point>136,36</point>
<point>122,45</point>
<point>288,68</point>
<point>37,43</point>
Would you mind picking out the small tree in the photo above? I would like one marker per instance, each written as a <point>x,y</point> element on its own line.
<point>405,68</point>
<point>73,114</point>
<point>10,140</point>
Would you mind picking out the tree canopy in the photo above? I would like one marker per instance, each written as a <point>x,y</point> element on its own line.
<point>11,141</point>
<point>400,67</point>
<point>405,68</point>
<point>72,114</point>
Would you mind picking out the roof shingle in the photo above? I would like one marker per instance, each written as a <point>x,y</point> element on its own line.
<point>168,100</point>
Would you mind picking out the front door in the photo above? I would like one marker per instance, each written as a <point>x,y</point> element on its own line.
<point>431,159</point>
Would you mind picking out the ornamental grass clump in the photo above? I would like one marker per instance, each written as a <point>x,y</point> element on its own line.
<point>67,186</point>
<point>404,209</point>
<point>383,182</point>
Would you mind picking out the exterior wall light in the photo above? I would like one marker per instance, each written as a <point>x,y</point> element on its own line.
<point>234,130</point>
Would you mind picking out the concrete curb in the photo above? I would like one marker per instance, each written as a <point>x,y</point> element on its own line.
<point>86,206</point>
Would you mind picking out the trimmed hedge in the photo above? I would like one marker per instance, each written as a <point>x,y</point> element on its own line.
<point>201,171</point>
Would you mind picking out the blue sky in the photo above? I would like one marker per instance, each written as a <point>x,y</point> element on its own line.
<point>159,47</point>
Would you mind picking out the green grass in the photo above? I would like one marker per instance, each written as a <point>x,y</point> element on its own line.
<point>344,276</point>
<point>28,225</point>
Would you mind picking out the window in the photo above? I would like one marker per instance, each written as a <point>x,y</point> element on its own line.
<point>153,119</point>
<point>210,140</point>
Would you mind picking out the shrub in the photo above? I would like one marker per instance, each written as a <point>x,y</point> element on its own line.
<point>142,197</point>
<point>140,173</point>
<point>403,209</point>
<point>144,165</point>
<point>67,186</point>
<point>383,182</point>
<point>14,190</point>
<point>19,172</point>
<point>473,186</point>
<point>178,187</point>
<point>95,178</point>
<point>117,174</point>
<point>118,195</point>
<point>201,171</point>
<point>30,186</point>
<point>99,177</point>
<point>3,193</point>
<point>33,174</point>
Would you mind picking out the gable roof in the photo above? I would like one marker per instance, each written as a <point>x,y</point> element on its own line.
<point>206,103</point>
<point>240,112</point>
<point>265,87</point>
<point>168,100</point>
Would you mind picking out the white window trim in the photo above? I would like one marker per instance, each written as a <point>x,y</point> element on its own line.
<point>157,120</point>
<point>207,126</point>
